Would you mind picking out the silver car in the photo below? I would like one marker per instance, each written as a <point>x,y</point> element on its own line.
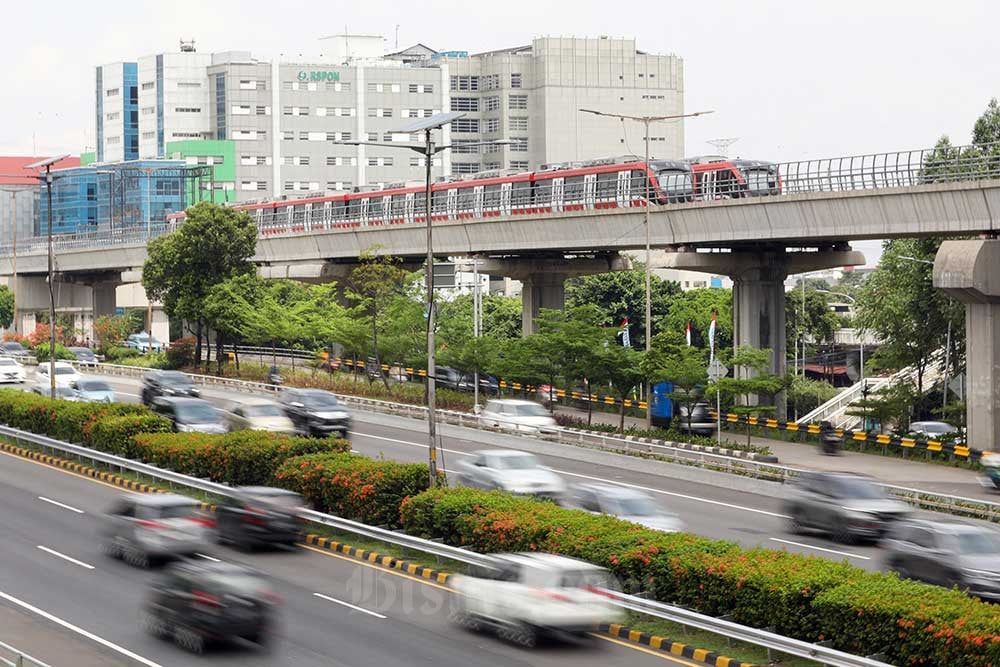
<point>510,470</point>
<point>93,390</point>
<point>624,503</point>
<point>848,506</point>
<point>144,528</point>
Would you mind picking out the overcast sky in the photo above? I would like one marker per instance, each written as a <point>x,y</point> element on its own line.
<point>792,80</point>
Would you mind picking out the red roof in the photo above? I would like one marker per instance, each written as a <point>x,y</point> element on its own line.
<point>10,167</point>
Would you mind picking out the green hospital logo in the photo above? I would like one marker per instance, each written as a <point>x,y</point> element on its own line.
<point>318,76</point>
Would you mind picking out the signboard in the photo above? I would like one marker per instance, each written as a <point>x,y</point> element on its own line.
<point>444,275</point>
<point>717,371</point>
<point>318,75</point>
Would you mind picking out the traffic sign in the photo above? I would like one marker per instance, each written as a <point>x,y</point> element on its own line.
<point>717,370</point>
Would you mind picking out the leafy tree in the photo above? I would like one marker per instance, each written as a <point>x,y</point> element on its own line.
<point>621,368</point>
<point>623,294</point>
<point>371,286</point>
<point>6,307</point>
<point>231,308</point>
<point>214,243</point>
<point>805,394</point>
<point>893,404</point>
<point>751,384</point>
<point>501,316</point>
<point>696,306</point>
<point>986,131</point>
<point>818,322</point>
<point>109,330</point>
<point>42,352</point>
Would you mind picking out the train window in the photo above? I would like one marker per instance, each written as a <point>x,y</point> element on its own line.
<point>418,205</point>
<point>491,197</point>
<point>374,207</point>
<point>520,194</point>
<point>573,188</point>
<point>759,181</point>
<point>439,202</point>
<point>607,184</point>
<point>675,182</point>
<point>354,208</point>
<point>466,199</point>
<point>398,206</point>
<point>543,192</point>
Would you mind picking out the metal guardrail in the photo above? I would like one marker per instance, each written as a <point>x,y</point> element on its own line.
<point>659,610</point>
<point>13,657</point>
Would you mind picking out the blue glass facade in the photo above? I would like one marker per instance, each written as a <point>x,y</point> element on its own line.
<point>130,110</point>
<point>118,195</point>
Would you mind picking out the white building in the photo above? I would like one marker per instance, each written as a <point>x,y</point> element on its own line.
<point>173,100</point>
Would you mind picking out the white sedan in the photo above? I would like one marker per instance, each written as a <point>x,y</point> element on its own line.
<point>11,370</point>
<point>512,471</point>
<point>65,373</point>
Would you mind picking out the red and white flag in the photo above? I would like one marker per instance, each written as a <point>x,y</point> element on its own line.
<point>687,333</point>
<point>626,340</point>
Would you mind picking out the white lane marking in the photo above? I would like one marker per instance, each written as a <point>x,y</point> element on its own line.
<point>59,504</point>
<point>80,631</point>
<point>348,604</point>
<point>207,557</point>
<point>829,551</point>
<point>602,479</point>
<point>65,557</point>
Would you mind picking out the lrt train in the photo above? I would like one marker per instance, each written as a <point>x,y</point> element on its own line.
<point>596,184</point>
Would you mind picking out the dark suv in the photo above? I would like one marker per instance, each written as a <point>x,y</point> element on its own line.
<point>848,506</point>
<point>198,602</point>
<point>166,383</point>
<point>316,412</point>
<point>260,515</point>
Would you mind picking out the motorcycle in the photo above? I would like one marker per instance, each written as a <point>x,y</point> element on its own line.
<point>991,470</point>
<point>274,376</point>
<point>829,442</point>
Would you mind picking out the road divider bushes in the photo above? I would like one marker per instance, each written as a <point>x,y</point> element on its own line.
<point>116,434</point>
<point>353,486</point>
<point>62,420</point>
<point>800,596</point>
<point>240,458</point>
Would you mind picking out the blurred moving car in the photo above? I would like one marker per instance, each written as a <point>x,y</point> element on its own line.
<point>488,384</point>
<point>93,390</point>
<point>12,348</point>
<point>848,506</point>
<point>64,392</point>
<point>936,431</point>
<point>316,413</point>
<point>191,414</point>
<point>144,528</point>
<point>510,470</point>
<point>511,414</point>
<point>623,503</point>
<point>11,370</point>
<point>84,355</point>
<point>947,554</point>
<point>702,422</point>
<point>198,602</point>
<point>533,594</point>
<point>166,383</point>
<point>259,415</point>
<point>260,515</point>
<point>143,343</point>
<point>446,377</point>
<point>65,372</point>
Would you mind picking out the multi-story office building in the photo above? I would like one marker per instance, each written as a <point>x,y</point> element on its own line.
<point>117,112</point>
<point>19,197</point>
<point>286,119</point>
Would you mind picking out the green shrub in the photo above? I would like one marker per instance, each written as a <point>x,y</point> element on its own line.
<point>180,354</point>
<point>62,420</point>
<point>62,352</point>
<point>151,360</point>
<point>239,458</point>
<point>352,486</point>
<point>116,353</point>
<point>116,434</point>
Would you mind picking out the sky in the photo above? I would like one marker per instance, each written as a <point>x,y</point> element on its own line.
<point>792,80</point>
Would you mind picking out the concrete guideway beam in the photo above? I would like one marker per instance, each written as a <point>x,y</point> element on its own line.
<point>969,271</point>
<point>759,293</point>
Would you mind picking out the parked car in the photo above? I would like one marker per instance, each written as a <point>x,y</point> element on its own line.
<point>11,370</point>
<point>12,348</point>
<point>702,422</point>
<point>64,392</point>
<point>197,602</point>
<point>191,414</point>
<point>510,470</point>
<point>93,390</point>
<point>260,515</point>
<point>65,372</point>
<point>316,412</point>
<point>511,414</point>
<point>848,506</point>
<point>534,594</point>
<point>259,415</point>
<point>141,342</point>
<point>936,431</point>
<point>84,355</point>
<point>143,528</point>
<point>166,383</point>
<point>488,384</point>
<point>947,554</point>
<point>624,503</point>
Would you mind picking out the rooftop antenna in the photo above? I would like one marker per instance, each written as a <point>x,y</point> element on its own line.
<point>397,37</point>
<point>187,47</point>
<point>722,145</point>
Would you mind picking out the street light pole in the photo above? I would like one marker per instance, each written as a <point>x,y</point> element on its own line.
<point>149,235</point>
<point>52,294</point>
<point>13,224</point>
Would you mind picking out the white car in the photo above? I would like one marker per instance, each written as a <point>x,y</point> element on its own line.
<point>517,415</point>
<point>11,370</point>
<point>623,503</point>
<point>533,594</point>
<point>510,470</point>
<point>260,415</point>
<point>65,373</point>
<point>64,392</point>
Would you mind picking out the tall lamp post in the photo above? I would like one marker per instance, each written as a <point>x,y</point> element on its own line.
<point>947,345</point>
<point>646,120</point>
<point>47,178</point>
<point>862,338</point>
<point>428,149</point>
<point>13,225</point>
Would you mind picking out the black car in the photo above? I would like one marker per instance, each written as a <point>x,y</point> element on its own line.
<point>446,377</point>
<point>198,602</point>
<point>488,384</point>
<point>260,515</point>
<point>84,355</point>
<point>12,348</point>
<point>316,412</point>
<point>166,383</point>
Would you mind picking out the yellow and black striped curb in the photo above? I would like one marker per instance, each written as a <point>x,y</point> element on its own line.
<point>421,571</point>
<point>671,647</point>
<point>80,468</point>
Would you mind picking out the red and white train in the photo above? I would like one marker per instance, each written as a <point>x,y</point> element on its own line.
<point>596,184</point>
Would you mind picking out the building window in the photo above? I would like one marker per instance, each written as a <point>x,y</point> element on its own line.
<point>518,124</point>
<point>149,85</point>
<point>339,86</point>
<point>519,145</point>
<point>379,112</point>
<point>373,136</point>
<point>493,103</point>
<point>263,110</point>
<point>189,109</point>
<point>303,161</point>
<point>465,167</point>
<point>515,79</point>
<point>114,116</point>
<point>421,88</point>
<point>465,125</point>
<point>380,162</point>
<point>113,141</point>
<point>383,87</point>
<point>465,104</point>
<point>517,102</point>
<point>192,84</point>
<point>288,136</point>
<point>519,165</point>
<point>196,135</point>
<point>491,82</point>
<point>148,111</point>
<point>338,185</point>
<point>148,135</point>
<point>464,83</point>
<point>466,146</point>
<point>113,92</point>
<point>492,125</point>
<point>428,113</point>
